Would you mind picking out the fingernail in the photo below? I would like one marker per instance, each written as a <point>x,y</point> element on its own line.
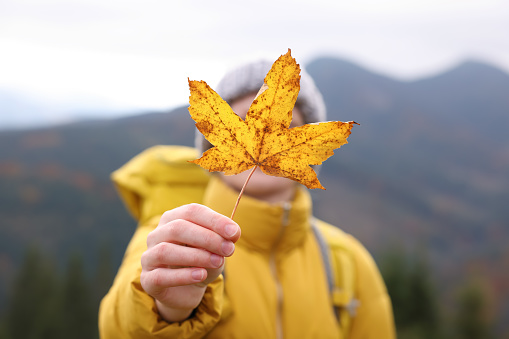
<point>216,260</point>
<point>197,275</point>
<point>231,230</point>
<point>227,247</point>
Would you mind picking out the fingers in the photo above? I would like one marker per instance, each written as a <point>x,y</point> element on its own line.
<point>184,232</point>
<point>205,217</point>
<point>187,247</point>
<point>163,278</point>
<point>170,255</point>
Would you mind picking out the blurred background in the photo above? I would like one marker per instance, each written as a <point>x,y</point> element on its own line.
<point>423,183</point>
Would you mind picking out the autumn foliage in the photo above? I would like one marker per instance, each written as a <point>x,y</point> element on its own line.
<point>264,138</point>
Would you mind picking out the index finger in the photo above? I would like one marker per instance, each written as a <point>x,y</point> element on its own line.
<point>205,217</point>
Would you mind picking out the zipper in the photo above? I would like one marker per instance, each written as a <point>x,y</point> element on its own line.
<point>285,219</point>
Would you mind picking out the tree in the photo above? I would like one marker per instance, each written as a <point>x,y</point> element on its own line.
<point>104,272</point>
<point>394,269</point>
<point>32,310</point>
<point>413,296</point>
<point>79,318</point>
<point>424,314</point>
<point>471,320</point>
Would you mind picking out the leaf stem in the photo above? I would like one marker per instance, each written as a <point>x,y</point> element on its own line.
<point>242,191</point>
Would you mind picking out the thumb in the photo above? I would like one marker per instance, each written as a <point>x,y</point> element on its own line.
<point>212,274</point>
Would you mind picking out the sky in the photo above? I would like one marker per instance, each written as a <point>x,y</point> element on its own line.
<point>81,58</point>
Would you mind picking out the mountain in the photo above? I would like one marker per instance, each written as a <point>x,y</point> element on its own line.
<point>21,110</point>
<point>18,109</point>
<point>444,136</point>
<point>431,161</point>
<point>428,167</point>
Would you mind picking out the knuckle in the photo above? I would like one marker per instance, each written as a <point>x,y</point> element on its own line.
<point>156,278</point>
<point>150,237</point>
<point>170,230</point>
<point>174,228</point>
<point>160,252</point>
<point>194,206</point>
<point>145,280</point>
<point>191,210</point>
<point>166,217</point>
<point>144,260</point>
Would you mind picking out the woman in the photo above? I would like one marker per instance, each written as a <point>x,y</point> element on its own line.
<point>192,272</point>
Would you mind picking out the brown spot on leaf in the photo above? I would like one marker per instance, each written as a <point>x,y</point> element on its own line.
<point>307,145</point>
<point>205,127</point>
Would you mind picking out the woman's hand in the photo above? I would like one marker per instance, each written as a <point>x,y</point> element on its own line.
<point>184,253</point>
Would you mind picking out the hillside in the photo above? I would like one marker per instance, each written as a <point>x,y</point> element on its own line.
<point>427,168</point>
<point>432,163</point>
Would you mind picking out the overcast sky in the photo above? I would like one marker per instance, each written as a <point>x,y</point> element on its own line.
<point>131,55</point>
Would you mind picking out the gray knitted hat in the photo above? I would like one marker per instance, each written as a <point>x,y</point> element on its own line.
<point>249,78</point>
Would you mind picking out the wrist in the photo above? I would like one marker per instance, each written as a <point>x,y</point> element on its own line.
<point>176,314</point>
<point>171,314</point>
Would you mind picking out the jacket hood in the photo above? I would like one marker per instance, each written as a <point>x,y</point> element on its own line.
<point>159,179</point>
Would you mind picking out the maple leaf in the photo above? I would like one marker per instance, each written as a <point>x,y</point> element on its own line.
<point>264,138</point>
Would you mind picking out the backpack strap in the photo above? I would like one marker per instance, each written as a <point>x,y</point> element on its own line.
<point>324,251</point>
<point>340,269</point>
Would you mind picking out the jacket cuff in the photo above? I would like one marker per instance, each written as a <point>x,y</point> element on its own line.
<point>202,321</point>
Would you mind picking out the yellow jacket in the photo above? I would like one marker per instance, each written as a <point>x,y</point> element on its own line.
<point>275,284</point>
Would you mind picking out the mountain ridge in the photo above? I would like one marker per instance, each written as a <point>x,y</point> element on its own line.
<point>409,174</point>
<point>14,102</point>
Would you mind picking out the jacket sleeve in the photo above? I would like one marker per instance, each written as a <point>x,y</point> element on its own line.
<point>374,317</point>
<point>128,312</point>
<point>158,179</point>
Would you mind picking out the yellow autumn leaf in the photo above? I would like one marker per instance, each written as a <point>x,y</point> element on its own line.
<point>264,138</point>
